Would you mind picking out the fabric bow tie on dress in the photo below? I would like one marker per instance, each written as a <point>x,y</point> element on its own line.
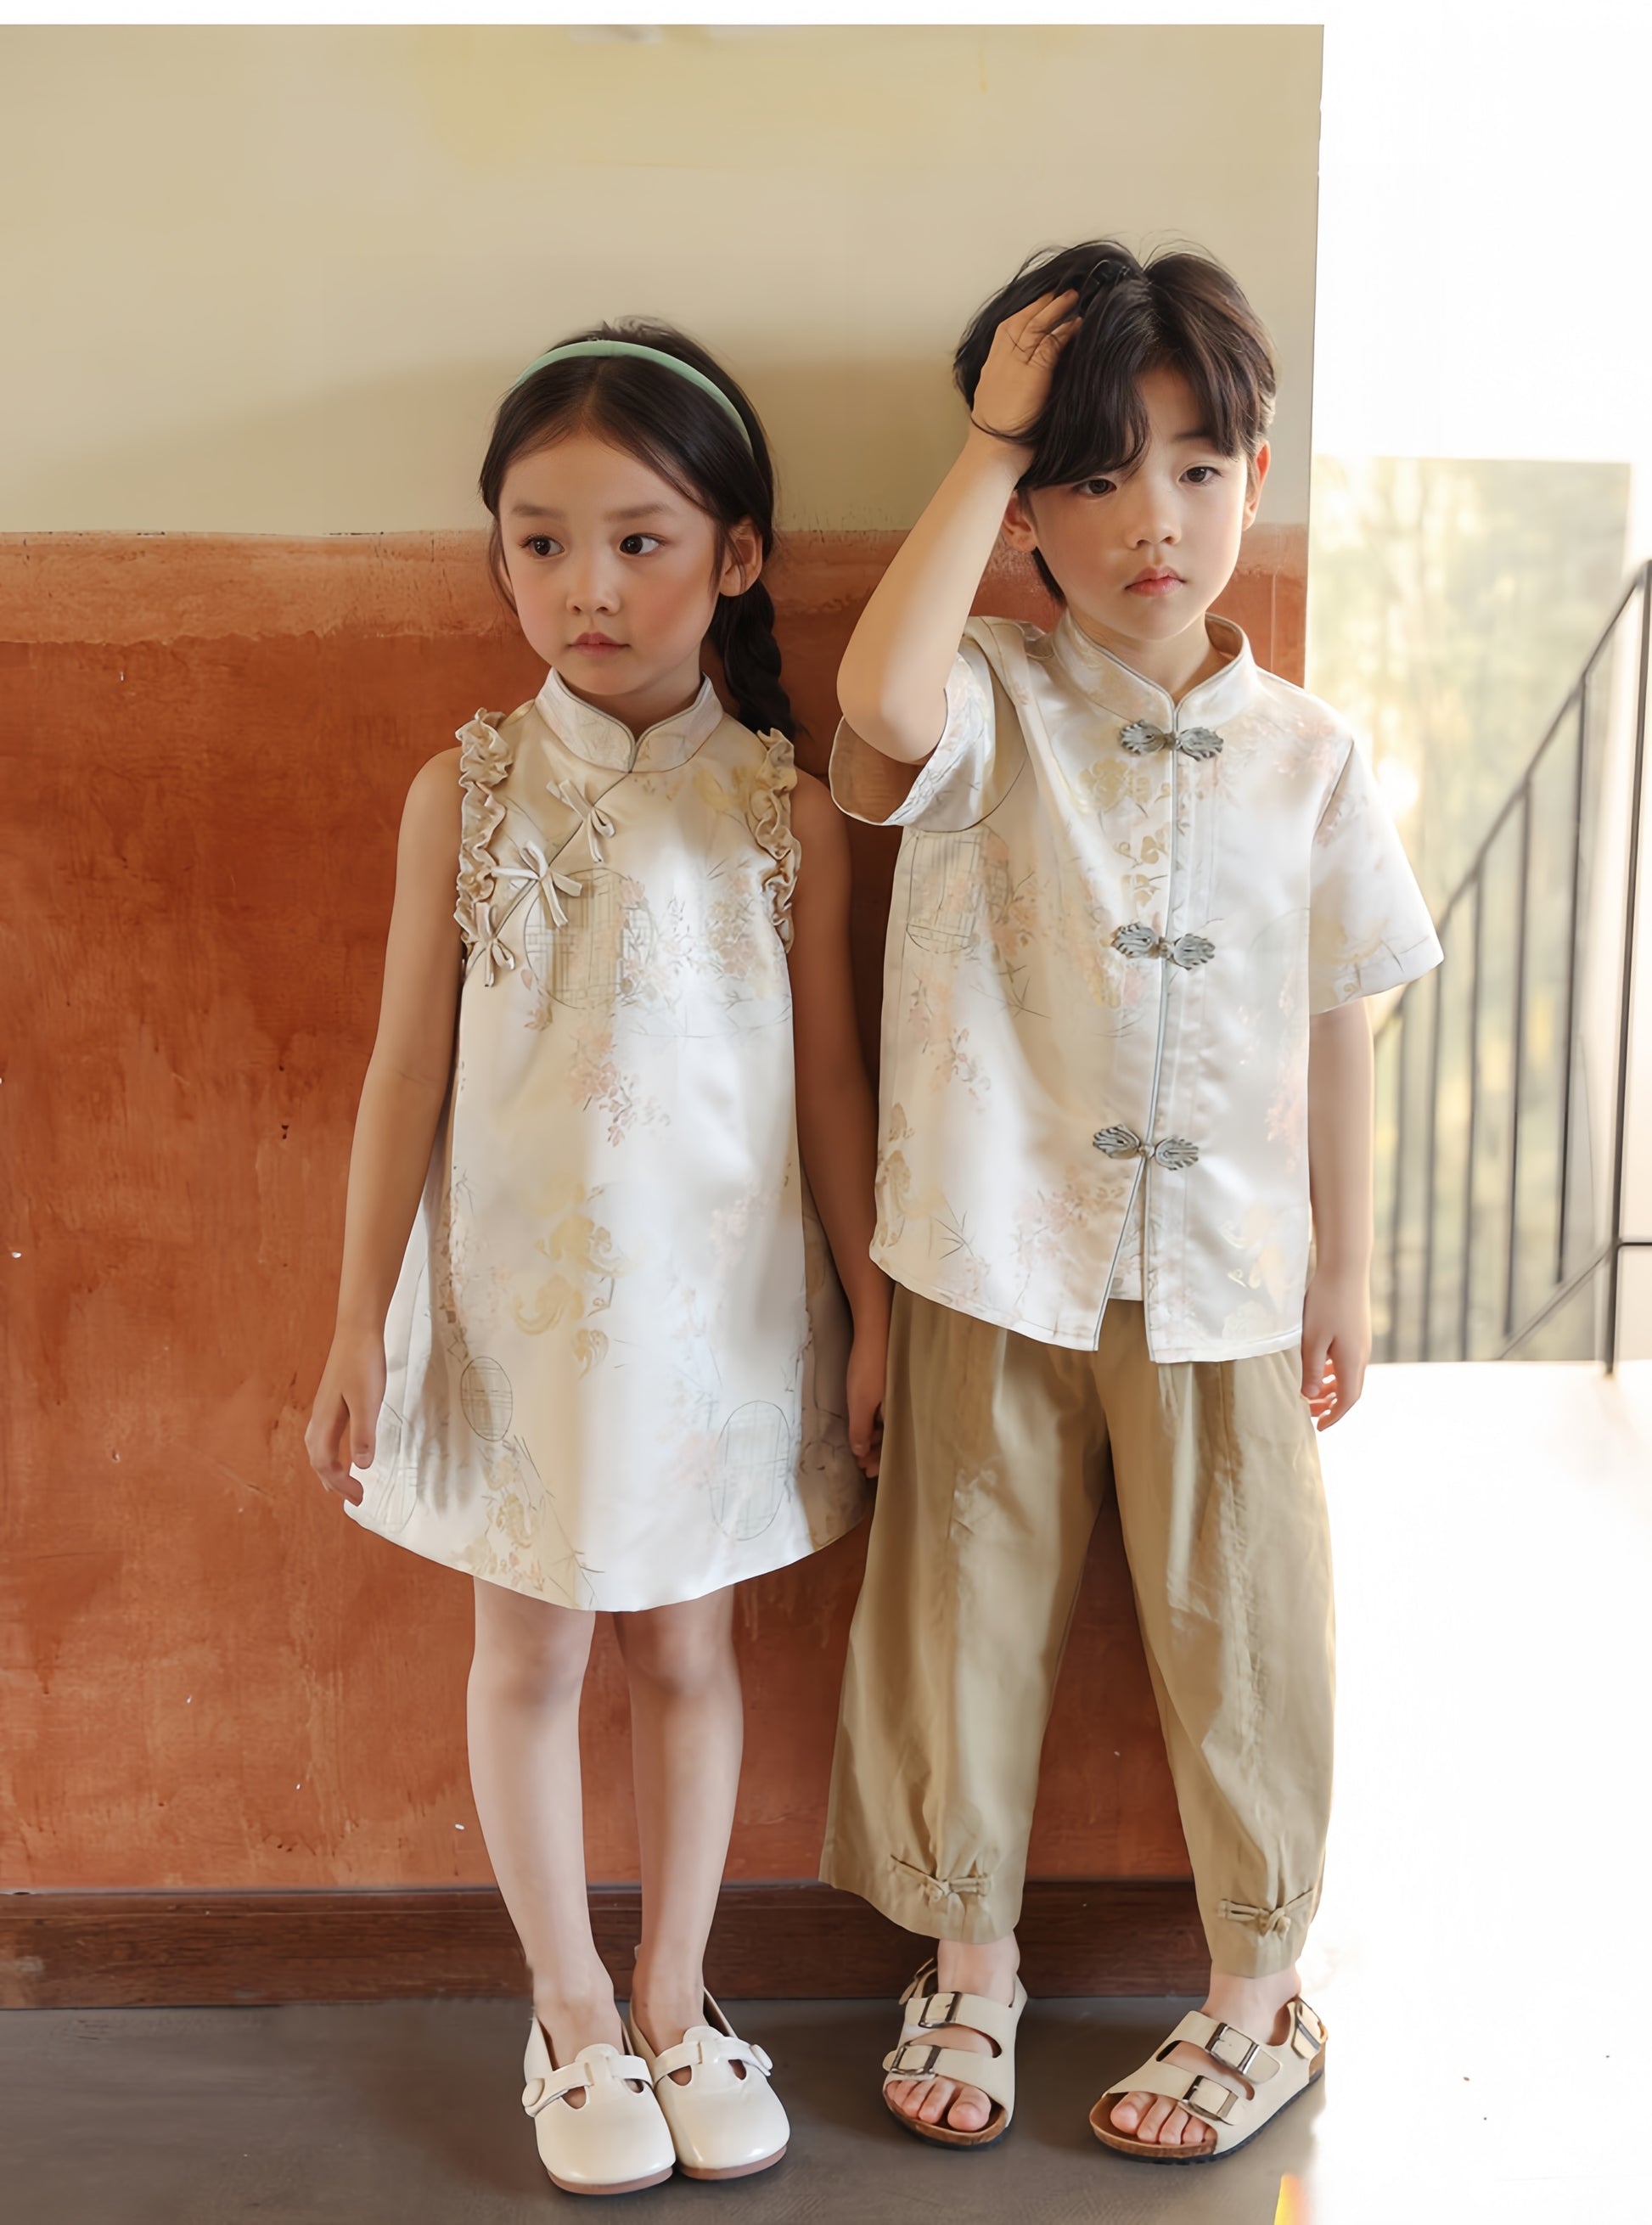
<point>537,872</point>
<point>597,821</point>
<point>495,951</point>
<point>1142,739</point>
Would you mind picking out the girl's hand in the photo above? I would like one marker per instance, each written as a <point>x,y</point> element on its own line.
<point>1336,1344</point>
<point>346,1412</point>
<point>1014,381</point>
<point>867,1357</point>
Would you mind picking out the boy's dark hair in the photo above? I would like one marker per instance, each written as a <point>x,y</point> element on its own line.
<point>667,424</point>
<point>1175,312</point>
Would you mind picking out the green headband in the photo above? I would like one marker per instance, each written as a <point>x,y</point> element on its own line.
<point>577,348</point>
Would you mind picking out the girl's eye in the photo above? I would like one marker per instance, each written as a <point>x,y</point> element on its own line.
<point>1093,487</point>
<point>638,544</point>
<point>541,544</point>
<point>1201,474</point>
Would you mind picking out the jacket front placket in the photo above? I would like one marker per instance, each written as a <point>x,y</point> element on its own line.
<point>1160,1151</point>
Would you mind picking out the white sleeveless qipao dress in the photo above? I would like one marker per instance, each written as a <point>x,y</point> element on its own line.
<point>617,1348</point>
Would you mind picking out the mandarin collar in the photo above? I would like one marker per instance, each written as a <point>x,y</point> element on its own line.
<point>602,739</point>
<point>1118,688</point>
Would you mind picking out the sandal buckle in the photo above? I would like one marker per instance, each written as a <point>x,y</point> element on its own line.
<point>905,2069</point>
<point>1305,2024</point>
<point>1217,2112</point>
<point>929,2010</point>
<point>1240,2064</point>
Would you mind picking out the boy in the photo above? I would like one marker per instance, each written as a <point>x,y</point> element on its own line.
<point>1143,887</point>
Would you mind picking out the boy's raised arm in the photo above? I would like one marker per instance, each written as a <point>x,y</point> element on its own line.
<point>892,682</point>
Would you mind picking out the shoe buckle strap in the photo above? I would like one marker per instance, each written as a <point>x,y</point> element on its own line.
<point>936,2009</point>
<point>918,1983</point>
<point>538,2094</point>
<point>1235,2051</point>
<point>1307,2032</point>
<point>913,2060</point>
<point>691,2055</point>
<point>1220,2106</point>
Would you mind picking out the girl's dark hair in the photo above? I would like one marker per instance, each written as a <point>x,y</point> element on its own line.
<point>1177,312</point>
<point>667,424</point>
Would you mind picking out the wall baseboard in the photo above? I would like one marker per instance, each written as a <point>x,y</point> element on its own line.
<point>1078,1936</point>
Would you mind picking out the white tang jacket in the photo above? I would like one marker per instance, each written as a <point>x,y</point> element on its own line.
<point>1112,917</point>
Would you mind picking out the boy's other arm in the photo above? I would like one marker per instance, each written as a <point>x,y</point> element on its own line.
<point>892,682</point>
<point>1336,1315</point>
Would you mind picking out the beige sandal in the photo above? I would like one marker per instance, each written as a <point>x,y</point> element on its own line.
<point>1277,2075</point>
<point>914,2057</point>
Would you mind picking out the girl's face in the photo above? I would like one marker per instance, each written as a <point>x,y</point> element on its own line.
<point>615,574</point>
<point>1142,555</point>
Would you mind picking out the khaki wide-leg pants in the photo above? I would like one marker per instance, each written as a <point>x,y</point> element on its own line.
<point>997,1452</point>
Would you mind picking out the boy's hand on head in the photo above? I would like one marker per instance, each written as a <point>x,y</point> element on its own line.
<point>1336,1344</point>
<point>1014,381</point>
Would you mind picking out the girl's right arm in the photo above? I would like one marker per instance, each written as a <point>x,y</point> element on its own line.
<point>395,1123</point>
<point>892,682</point>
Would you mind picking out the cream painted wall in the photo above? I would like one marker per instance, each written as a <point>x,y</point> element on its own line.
<point>275,278</point>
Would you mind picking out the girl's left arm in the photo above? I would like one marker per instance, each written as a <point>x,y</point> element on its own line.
<point>836,1118</point>
<point>1337,1312</point>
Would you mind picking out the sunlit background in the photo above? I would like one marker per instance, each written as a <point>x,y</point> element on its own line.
<point>1483,404</point>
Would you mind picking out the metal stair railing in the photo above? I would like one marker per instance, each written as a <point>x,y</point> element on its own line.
<point>1503,1078</point>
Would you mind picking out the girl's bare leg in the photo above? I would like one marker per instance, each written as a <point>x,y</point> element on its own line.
<point>686,1732</point>
<point>526,1677</point>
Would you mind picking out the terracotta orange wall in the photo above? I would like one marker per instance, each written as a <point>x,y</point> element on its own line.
<point>209,1678</point>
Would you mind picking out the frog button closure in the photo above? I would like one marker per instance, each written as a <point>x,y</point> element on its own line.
<point>1138,941</point>
<point>1123,1143</point>
<point>1142,739</point>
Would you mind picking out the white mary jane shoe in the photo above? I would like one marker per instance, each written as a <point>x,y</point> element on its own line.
<point>618,2140</point>
<point>725,2118</point>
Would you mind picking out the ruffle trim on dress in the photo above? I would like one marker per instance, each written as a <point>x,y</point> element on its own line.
<point>485,758</point>
<point>770,819</point>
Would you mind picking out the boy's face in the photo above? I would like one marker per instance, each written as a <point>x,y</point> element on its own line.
<point>1142,555</point>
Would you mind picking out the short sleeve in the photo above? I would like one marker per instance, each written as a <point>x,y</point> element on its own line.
<point>962,778</point>
<point>1368,927</point>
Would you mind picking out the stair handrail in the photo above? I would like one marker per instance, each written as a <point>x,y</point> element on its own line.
<point>1470,887</point>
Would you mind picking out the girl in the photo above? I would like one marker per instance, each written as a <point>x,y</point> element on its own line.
<point>1143,887</point>
<point>614,1371</point>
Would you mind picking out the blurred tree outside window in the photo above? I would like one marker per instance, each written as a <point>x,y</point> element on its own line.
<point>1451,605</point>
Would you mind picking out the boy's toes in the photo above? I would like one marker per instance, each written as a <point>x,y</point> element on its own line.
<point>905,2094</point>
<point>1127,2112</point>
<point>971,2109</point>
<point>1154,2118</point>
<point>940,2101</point>
<point>932,2108</point>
